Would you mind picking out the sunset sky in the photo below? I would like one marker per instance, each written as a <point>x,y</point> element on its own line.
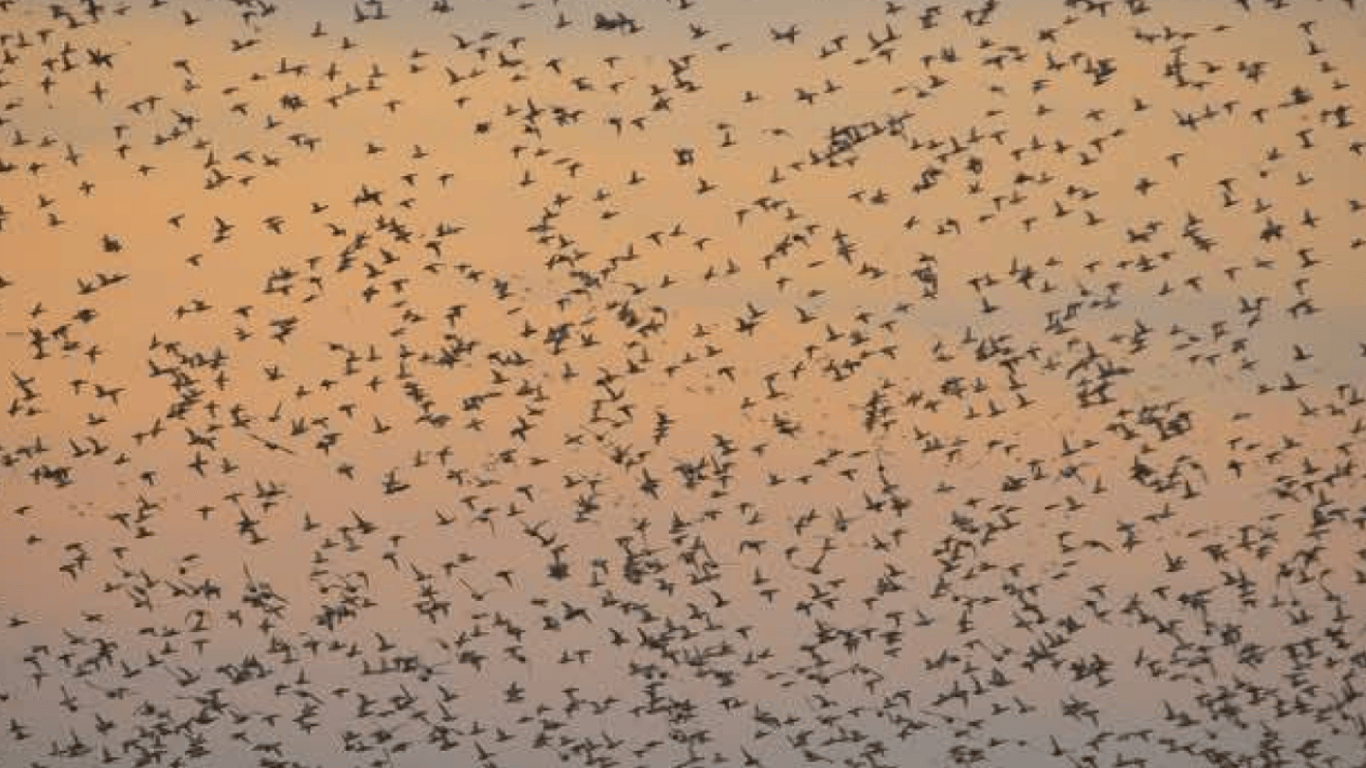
<point>582,400</point>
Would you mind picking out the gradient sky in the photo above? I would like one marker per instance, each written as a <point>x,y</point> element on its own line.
<point>886,475</point>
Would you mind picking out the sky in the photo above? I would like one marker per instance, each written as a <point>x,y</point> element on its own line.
<point>400,386</point>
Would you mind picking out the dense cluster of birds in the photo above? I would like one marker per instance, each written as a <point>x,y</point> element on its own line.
<point>682,384</point>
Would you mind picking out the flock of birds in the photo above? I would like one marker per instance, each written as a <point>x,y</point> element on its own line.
<point>682,384</point>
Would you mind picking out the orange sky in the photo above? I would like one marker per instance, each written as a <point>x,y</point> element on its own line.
<point>529,224</point>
